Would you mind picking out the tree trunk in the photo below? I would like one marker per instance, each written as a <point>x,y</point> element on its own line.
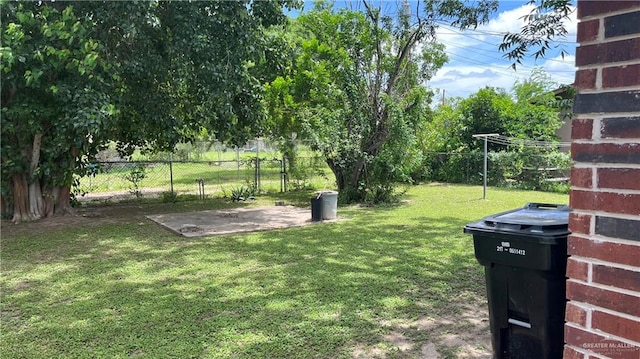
<point>20,198</point>
<point>32,199</point>
<point>289,151</point>
<point>62,201</point>
<point>3,205</point>
<point>348,180</point>
<point>47,199</point>
<point>337,173</point>
<point>36,205</point>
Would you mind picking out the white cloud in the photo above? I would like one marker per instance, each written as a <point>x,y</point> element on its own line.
<point>462,81</point>
<point>562,70</point>
<point>476,62</point>
<point>508,21</point>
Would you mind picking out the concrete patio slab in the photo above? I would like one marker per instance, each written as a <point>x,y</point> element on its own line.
<point>214,222</point>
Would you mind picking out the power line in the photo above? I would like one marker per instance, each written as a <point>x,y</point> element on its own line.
<point>513,141</point>
<point>471,33</point>
<point>495,59</point>
<point>456,32</point>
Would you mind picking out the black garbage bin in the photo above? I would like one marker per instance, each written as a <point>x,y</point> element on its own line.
<point>524,253</point>
<point>316,209</point>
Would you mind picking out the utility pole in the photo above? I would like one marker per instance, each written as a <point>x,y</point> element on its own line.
<point>443,92</point>
<point>484,174</point>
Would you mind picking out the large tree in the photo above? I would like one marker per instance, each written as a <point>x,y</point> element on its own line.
<point>358,85</point>
<point>146,74</point>
<point>56,100</point>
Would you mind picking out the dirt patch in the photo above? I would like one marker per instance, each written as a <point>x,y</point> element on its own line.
<point>212,222</point>
<point>464,335</point>
<point>111,213</point>
<point>83,217</point>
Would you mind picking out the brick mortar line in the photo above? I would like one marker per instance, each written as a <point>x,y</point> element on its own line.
<point>606,214</point>
<point>582,259</point>
<point>605,165</point>
<point>606,40</point>
<point>607,140</point>
<point>577,164</point>
<point>603,334</point>
<point>608,14</point>
<point>599,89</point>
<point>616,240</point>
<point>590,307</point>
<point>598,76</point>
<point>596,130</point>
<point>607,65</point>
<point>603,115</point>
<point>611,240</point>
<point>613,190</point>
<point>581,351</point>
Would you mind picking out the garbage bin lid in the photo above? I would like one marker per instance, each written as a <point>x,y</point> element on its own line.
<point>326,193</point>
<point>537,218</point>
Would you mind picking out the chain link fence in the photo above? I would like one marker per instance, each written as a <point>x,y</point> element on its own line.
<point>218,172</point>
<point>526,170</point>
<point>114,181</point>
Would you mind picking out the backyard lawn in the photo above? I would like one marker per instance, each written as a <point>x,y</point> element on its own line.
<point>388,282</point>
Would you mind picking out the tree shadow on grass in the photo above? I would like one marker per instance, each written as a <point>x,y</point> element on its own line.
<point>359,288</point>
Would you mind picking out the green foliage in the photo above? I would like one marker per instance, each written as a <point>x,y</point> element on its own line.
<point>543,26</point>
<point>300,177</point>
<point>249,191</point>
<point>356,89</point>
<point>56,80</point>
<point>169,197</point>
<point>135,176</point>
<point>528,168</point>
<point>451,154</point>
<point>533,113</point>
<point>145,74</point>
<point>187,70</point>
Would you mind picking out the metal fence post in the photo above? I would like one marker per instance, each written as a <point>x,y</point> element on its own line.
<point>171,175</point>
<point>468,169</point>
<point>238,162</point>
<point>256,176</point>
<point>284,173</point>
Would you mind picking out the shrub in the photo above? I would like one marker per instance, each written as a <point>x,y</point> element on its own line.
<point>135,176</point>
<point>243,193</point>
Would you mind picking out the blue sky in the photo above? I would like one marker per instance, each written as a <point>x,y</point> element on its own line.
<point>475,61</point>
<point>474,58</point>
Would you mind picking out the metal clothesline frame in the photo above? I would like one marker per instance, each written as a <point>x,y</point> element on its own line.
<point>509,141</point>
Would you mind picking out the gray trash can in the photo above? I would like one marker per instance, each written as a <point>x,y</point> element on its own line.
<point>329,204</point>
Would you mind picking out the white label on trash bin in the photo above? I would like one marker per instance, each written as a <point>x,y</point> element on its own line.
<point>507,249</point>
<point>520,252</point>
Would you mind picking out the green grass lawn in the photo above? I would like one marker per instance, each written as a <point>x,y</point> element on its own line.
<point>385,282</point>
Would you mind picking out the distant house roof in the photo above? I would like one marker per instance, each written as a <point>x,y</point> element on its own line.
<point>565,91</point>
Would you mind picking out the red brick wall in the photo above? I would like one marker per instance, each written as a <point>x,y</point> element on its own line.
<point>603,270</point>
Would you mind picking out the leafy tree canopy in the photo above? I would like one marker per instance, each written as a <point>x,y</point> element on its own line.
<point>531,111</point>
<point>76,75</point>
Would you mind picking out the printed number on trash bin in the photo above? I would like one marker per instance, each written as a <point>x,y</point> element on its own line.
<point>510,250</point>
